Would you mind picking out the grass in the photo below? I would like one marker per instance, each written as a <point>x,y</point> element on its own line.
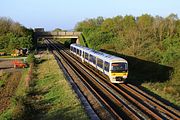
<point>3,77</point>
<point>169,90</point>
<point>54,97</point>
<point>63,40</point>
<point>20,91</point>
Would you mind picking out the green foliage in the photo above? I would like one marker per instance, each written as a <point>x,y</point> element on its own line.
<point>14,36</point>
<point>67,43</point>
<point>31,58</point>
<point>152,38</point>
<point>171,50</point>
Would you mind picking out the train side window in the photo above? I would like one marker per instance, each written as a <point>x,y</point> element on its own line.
<point>94,59</point>
<point>71,48</point>
<point>99,63</point>
<point>75,50</point>
<point>106,66</point>
<point>90,58</point>
<point>80,52</point>
<point>86,56</point>
<point>83,54</point>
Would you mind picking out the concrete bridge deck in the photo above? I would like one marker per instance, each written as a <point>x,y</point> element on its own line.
<point>40,33</point>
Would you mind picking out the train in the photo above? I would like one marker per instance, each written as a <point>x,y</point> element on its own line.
<point>113,67</point>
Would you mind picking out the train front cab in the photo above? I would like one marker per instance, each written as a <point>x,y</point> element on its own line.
<point>118,71</point>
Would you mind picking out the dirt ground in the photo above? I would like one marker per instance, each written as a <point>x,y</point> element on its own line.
<point>6,64</point>
<point>7,91</point>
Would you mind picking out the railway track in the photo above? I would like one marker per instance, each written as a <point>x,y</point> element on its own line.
<point>107,99</point>
<point>122,101</point>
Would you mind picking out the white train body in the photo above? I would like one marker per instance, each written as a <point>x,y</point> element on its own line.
<point>114,67</point>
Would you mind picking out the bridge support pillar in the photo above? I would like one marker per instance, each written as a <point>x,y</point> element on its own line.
<point>77,41</point>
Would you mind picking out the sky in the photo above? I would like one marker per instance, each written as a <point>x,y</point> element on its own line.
<point>65,14</point>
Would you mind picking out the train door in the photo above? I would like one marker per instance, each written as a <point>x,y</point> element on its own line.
<point>82,56</point>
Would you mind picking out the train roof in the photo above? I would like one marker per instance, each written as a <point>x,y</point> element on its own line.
<point>99,54</point>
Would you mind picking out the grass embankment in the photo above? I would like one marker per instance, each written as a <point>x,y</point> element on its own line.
<point>169,90</point>
<point>3,77</point>
<point>49,96</point>
<point>56,100</point>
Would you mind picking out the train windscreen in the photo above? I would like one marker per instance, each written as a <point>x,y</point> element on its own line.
<point>119,67</point>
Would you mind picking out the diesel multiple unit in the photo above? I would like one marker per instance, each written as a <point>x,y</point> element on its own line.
<point>115,68</point>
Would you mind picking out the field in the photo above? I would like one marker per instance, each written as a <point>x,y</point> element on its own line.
<point>9,81</point>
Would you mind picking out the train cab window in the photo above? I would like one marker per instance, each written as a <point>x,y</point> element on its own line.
<point>106,66</point>
<point>86,56</point>
<point>119,67</point>
<point>99,63</point>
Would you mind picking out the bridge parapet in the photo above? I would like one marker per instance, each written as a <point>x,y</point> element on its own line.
<point>58,33</point>
<point>39,33</point>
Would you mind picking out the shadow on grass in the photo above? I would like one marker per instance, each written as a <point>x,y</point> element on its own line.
<point>42,47</point>
<point>33,106</point>
<point>141,71</point>
<point>65,113</point>
<point>40,61</point>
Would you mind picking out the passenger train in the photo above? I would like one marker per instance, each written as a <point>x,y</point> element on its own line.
<point>115,68</point>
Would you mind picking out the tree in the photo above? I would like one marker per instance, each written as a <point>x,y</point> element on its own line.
<point>26,42</point>
<point>57,30</point>
<point>14,36</point>
<point>171,22</point>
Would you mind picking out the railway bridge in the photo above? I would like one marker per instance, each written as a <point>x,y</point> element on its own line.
<point>40,33</point>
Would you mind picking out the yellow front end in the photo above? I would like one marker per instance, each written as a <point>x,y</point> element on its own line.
<point>118,77</point>
<point>120,74</point>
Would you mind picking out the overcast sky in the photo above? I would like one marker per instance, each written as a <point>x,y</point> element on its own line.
<point>65,14</point>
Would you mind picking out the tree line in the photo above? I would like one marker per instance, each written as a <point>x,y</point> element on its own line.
<point>151,38</point>
<point>13,35</point>
<point>146,37</point>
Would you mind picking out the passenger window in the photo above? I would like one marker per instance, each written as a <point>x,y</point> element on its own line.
<point>106,66</point>
<point>91,58</point>
<point>75,50</point>
<point>94,59</point>
<point>99,63</point>
<point>79,52</point>
<point>83,54</point>
<point>86,56</point>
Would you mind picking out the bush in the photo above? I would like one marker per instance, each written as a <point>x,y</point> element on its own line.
<point>31,59</point>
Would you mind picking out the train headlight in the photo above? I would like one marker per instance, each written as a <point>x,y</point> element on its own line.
<point>124,77</point>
